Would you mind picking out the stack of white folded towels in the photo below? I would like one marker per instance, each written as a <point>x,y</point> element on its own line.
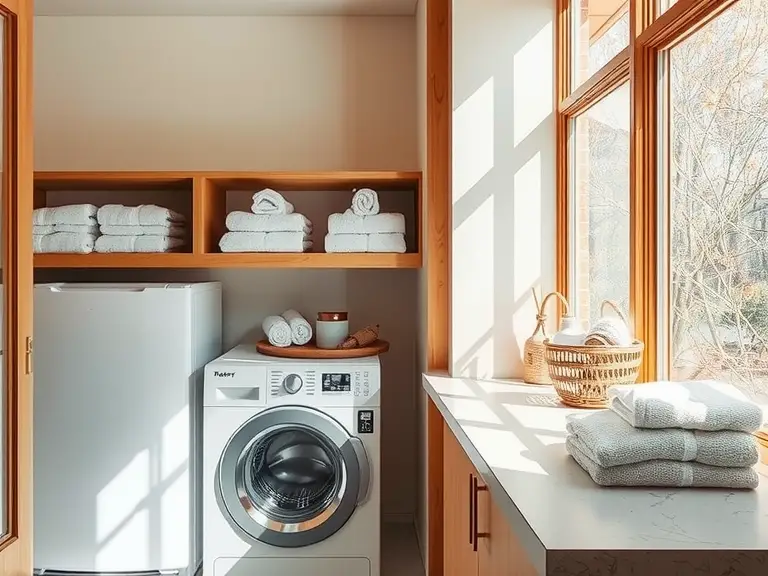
<point>363,229</point>
<point>65,229</point>
<point>144,228</point>
<point>286,329</point>
<point>271,226</point>
<point>696,433</point>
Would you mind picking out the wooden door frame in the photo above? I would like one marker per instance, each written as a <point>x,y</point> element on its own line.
<point>16,544</point>
<point>439,231</point>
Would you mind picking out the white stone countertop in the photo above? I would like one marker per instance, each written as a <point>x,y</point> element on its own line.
<point>514,434</point>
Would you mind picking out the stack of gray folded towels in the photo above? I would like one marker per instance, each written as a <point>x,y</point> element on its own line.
<point>696,433</point>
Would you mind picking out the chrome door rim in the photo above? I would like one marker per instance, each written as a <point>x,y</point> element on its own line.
<point>237,504</point>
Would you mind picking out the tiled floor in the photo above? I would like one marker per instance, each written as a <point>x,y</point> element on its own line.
<point>400,551</point>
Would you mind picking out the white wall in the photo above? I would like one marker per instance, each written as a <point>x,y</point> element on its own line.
<point>503,179</point>
<point>269,93</point>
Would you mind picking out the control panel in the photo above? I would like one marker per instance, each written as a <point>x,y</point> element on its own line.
<point>348,384</point>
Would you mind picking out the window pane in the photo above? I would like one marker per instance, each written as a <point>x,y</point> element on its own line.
<point>665,4</point>
<point>601,206</point>
<point>600,32</point>
<point>718,204</point>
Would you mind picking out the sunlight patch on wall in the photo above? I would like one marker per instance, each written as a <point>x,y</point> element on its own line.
<point>533,81</point>
<point>473,140</point>
<point>473,292</point>
<point>527,226</point>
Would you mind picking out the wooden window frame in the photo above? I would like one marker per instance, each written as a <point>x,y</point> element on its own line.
<point>650,35</point>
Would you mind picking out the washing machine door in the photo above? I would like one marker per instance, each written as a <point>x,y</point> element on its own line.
<point>292,476</point>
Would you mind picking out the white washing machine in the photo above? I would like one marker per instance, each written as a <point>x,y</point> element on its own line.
<point>291,466</point>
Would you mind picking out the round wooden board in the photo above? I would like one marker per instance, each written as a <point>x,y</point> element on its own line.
<point>310,351</point>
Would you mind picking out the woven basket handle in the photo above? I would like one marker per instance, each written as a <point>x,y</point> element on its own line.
<point>615,307</point>
<point>541,317</point>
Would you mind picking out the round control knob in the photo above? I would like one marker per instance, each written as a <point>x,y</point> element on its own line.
<point>292,383</point>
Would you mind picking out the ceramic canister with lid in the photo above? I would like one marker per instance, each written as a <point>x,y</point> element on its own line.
<point>331,329</point>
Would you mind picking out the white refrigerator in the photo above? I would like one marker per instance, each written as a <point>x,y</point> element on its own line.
<point>118,376</point>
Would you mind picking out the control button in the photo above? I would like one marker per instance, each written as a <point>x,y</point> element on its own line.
<point>292,383</point>
<point>357,391</point>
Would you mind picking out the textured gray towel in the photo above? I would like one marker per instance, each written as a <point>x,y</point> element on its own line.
<point>694,405</point>
<point>608,440</point>
<point>667,473</point>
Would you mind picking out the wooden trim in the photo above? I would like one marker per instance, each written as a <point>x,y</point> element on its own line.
<point>16,545</point>
<point>603,82</point>
<point>642,193</point>
<point>439,174</point>
<point>438,237</point>
<point>681,20</point>
<point>562,90</point>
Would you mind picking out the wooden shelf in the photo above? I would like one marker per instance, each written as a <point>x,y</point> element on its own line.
<point>202,197</point>
<point>252,260</point>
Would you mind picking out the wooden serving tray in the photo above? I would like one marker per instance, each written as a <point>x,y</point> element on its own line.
<point>310,351</point>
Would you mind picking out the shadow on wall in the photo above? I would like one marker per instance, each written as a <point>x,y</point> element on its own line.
<point>503,180</point>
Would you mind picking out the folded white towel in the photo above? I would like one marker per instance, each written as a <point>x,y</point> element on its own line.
<point>269,201</point>
<point>174,230</point>
<point>142,215</point>
<point>695,405</point>
<point>365,202</point>
<point>277,331</point>
<point>664,473</point>
<point>351,223</point>
<point>70,228</point>
<point>248,222</point>
<point>301,330</point>
<point>138,244</point>
<point>63,242</point>
<point>608,440</point>
<point>72,214</point>
<point>365,243</point>
<point>265,242</point>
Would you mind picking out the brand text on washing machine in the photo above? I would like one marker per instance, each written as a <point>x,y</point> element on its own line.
<point>223,374</point>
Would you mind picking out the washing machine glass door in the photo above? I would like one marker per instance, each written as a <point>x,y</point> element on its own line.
<point>292,476</point>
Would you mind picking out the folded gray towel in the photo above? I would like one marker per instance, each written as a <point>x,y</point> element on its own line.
<point>608,440</point>
<point>694,405</point>
<point>667,473</point>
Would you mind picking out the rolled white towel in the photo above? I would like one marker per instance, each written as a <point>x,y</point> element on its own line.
<point>607,439</point>
<point>365,243</point>
<point>142,215</point>
<point>694,405</point>
<point>77,214</point>
<point>174,230</point>
<point>43,230</point>
<point>365,202</point>
<point>265,242</point>
<point>269,201</point>
<point>239,221</point>
<point>668,473</point>
<point>108,244</point>
<point>301,330</point>
<point>351,223</point>
<point>277,331</point>
<point>63,242</point>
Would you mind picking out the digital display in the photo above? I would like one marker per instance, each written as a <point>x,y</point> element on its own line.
<point>337,382</point>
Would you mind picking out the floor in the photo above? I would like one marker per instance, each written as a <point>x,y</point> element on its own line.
<point>400,554</point>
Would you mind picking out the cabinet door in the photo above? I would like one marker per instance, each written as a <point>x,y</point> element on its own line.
<point>16,290</point>
<point>459,557</point>
<point>499,552</point>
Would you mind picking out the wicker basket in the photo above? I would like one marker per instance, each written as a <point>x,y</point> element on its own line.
<point>582,375</point>
<point>534,364</point>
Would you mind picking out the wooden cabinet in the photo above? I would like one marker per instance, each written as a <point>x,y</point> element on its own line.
<point>477,539</point>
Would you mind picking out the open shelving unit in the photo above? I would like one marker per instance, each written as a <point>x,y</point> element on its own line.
<point>205,198</point>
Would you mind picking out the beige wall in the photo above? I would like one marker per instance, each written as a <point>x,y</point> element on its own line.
<point>503,180</point>
<point>270,93</point>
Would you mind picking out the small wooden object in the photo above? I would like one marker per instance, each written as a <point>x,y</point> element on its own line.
<point>535,369</point>
<point>582,375</point>
<point>310,351</point>
<point>362,338</point>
